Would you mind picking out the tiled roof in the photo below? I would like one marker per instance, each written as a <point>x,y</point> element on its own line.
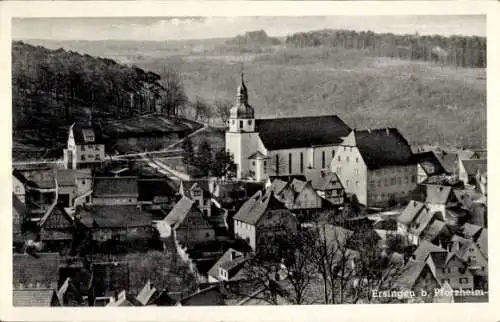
<point>297,185</point>
<point>35,297</point>
<point>30,271</point>
<point>383,147</point>
<point>253,209</point>
<point>408,276</point>
<point>148,189</point>
<point>465,154</point>
<point>431,163</point>
<point>475,165</point>
<point>231,260</point>
<point>115,187</point>
<point>40,178</point>
<point>436,194</point>
<point>180,211</point>
<point>425,248</point>
<point>410,212</point>
<point>441,259</point>
<point>56,218</point>
<point>323,180</point>
<point>80,129</point>
<point>449,161</point>
<point>421,222</point>
<point>114,216</point>
<point>469,230</point>
<point>67,177</point>
<point>278,185</point>
<point>301,132</point>
<point>434,230</point>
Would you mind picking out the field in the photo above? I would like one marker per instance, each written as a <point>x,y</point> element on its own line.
<point>429,103</point>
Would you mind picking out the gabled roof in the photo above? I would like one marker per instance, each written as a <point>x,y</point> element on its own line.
<point>39,178</point>
<point>301,132</point>
<point>297,185</point>
<point>408,276</point>
<point>145,296</point>
<point>42,269</point>
<point>56,218</point>
<point>230,261</point>
<point>449,161</point>
<point>441,259</point>
<point>119,216</point>
<point>35,297</point>
<point>425,248</point>
<point>410,212</point>
<point>383,147</point>
<point>472,167</point>
<point>431,163</point>
<point>437,194</point>
<point>470,230</point>
<point>434,230</point>
<point>115,187</point>
<point>421,222</point>
<point>253,209</point>
<point>183,208</point>
<point>278,185</point>
<point>323,180</point>
<point>258,156</point>
<point>83,131</point>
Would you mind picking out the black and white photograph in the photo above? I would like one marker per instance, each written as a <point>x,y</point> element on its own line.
<point>249,160</point>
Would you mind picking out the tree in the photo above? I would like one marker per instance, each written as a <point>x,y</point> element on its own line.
<point>222,110</point>
<point>224,166</point>
<point>201,109</point>
<point>188,151</point>
<point>174,96</point>
<point>204,159</point>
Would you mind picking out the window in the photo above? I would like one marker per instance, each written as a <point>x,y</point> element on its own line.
<point>407,179</point>
<point>339,158</point>
<point>197,193</point>
<point>207,235</point>
<point>379,183</point>
<point>357,183</point>
<point>399,180</point>
<point>97,147</point>
<point>241,124</point>
<point>333,153</point>
<point>323,159</point>
<point>97,157</point>
<point>265,167</point>
<point>464,280</point>
<point>233,122</point>
<point>83,158</point>
<point>449,269</point>
<point>345,148</point>
<point>356,171</point>
<point>339,170</point>
<point>393,181</point>
<point>249,122</point>
<point>357,160</point>
<point>83,148</point>
<point>413,179</point>
<point>277,164</point>
<point>301,162</point>
<point>347,183</point>
<point>289,163</point>
<point>253,163</point>
<point>347,159</point>
<point>386,182</point>
<point>83,181</point>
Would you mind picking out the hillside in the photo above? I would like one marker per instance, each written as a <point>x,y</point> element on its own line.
<point>430,102</point>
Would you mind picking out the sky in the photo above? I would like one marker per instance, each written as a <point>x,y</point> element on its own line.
<point>159,29</point>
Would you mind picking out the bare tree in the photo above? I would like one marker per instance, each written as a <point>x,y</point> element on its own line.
<point>222,110</point>
<point>201,109</point>
<point>174,96</point>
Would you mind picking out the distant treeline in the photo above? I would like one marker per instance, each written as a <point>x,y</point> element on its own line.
<point>257,37</point>
<point>60,83</point>
<point>454,50</point>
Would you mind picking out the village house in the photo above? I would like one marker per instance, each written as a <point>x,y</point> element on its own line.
<point>262,219</point>
<point>56,229</point>
<point>116,222</point>
<point>428,166</point>
<point>199,192</point>
<point>470,169</point>
<point>327,184</point>
<point>85,147</point>
<point>283,146</point>
<point>189,224</point>
<point>448,267</point>
<point>468,251</point>
<point>415,276</point>
<point>74,186</point>
<point>301,197</point>
<point>229,267</point>
<point>119,191</point>
<point>376,165</point>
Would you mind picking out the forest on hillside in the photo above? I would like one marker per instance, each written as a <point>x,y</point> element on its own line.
<point>455,50</point>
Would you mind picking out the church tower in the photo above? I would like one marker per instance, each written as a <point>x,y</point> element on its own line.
<point>241,138</point>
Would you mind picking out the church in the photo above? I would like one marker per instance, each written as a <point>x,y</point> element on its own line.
<point>278,147</point>
<point>264,148</point>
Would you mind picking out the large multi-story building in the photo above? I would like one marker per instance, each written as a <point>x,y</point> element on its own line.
<point>85,147</point>
<point>378,166</point>
<point>283,146</point>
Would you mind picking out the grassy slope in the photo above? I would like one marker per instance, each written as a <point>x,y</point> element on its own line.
<point>427,102</point>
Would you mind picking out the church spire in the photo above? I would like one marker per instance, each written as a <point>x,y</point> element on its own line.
<point>242,93</point>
